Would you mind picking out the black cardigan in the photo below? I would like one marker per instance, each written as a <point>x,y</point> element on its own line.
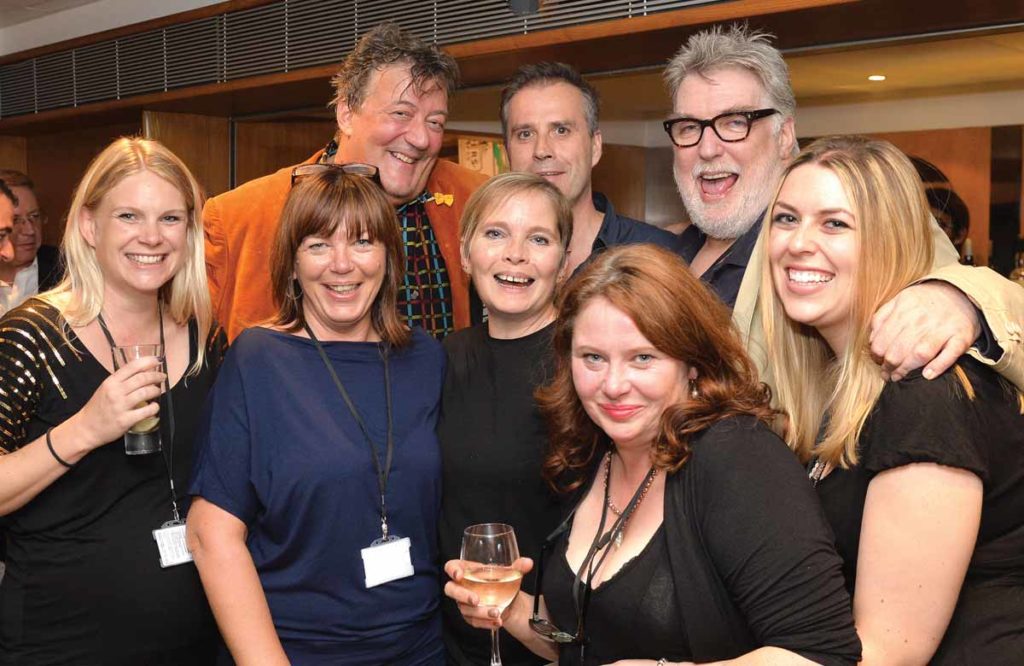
<point>751,553</point>
<point>752,557</point>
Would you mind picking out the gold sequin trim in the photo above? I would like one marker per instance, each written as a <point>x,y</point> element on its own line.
<point>41,359</point>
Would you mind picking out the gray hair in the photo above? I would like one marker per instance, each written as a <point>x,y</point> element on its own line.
<point>735,46</point>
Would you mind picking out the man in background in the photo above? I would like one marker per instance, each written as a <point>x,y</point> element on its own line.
<point>34,267</point>
<point>549,117</point>
<point>391,105</point>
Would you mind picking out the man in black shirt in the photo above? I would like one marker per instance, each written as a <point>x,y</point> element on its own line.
<point>549,118</point>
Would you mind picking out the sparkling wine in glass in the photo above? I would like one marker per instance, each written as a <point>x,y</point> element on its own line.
<point>488,550</point>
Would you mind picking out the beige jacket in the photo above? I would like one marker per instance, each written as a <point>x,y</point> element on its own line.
<point>1001,303</point>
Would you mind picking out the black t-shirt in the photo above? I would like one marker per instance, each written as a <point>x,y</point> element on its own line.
<point>921,421</point>
<point>84,583</point>
<point>493,441</point>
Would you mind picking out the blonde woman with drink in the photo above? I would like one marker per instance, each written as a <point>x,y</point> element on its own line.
<point>87,579</point>
<point>515,234</point>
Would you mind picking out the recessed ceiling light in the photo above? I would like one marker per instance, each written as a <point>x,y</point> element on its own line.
<point>876,77</point>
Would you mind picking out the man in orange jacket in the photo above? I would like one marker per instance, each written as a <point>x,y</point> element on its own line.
<point>391,105</point>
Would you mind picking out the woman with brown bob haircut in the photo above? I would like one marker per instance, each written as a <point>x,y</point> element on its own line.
<point>318,484</point>
<point>685,543</point>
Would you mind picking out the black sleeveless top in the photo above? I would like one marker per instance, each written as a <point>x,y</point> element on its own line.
<point>632,615</point>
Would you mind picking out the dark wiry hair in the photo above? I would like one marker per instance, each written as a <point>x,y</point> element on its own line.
<point>387,45</point>
<point>6,191</point>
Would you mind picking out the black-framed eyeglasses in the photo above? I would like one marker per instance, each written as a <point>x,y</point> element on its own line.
<point>730,127</point>
<point>351,169</point>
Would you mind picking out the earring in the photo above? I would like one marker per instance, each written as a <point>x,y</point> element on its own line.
<point>293,291</point>
<point>694,394</point>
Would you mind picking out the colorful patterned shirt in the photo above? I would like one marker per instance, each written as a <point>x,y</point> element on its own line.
<point>425,299</point>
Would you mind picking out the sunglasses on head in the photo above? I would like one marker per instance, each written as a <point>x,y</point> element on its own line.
<point>353,169</point>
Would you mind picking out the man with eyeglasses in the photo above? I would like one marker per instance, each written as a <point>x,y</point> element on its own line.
<point>733,131</point>
<point>33,267</point>
<point>391,105</point>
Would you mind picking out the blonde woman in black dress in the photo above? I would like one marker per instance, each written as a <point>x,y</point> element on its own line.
<point>84,581</point>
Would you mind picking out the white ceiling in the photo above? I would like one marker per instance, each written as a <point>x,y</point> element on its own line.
<point>13,12</point>
<point>27,24</point>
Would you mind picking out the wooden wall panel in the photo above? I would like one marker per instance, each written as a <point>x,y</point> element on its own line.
<point>57,161</point>
<point>264,147</point>
<point>13,153</point>
<point>200,141</point>
<point>664,208</point>
<point>620,176</point>
<point>965,156</point>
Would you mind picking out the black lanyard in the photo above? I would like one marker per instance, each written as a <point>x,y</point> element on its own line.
<point>167,409</point>
<point>582,589</point>
<point>382,471</point>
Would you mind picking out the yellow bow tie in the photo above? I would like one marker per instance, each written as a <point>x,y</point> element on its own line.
<point>444,199</point>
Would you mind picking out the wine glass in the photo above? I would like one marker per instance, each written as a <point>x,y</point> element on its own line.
<point>488,550</point>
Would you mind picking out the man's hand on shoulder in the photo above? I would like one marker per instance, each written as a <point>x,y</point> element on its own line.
<point>931,324</point>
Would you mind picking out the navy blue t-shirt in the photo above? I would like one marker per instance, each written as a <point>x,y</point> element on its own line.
<point>280,450</point>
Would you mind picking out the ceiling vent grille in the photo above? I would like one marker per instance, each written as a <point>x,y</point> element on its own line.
<point>273,38</point>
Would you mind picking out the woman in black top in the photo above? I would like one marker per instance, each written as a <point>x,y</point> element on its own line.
<point>514,232</point>
<point>922,479</point>
<point>84,581</point>
<point>695,536</point>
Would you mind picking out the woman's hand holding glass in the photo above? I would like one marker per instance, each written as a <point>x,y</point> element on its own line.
<point>478,614</point>
<point>125,398</point>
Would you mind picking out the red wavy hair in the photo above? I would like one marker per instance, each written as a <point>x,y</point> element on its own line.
<point>681,318</point>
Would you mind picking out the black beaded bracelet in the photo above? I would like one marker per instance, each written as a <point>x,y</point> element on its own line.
<point>49,445</point>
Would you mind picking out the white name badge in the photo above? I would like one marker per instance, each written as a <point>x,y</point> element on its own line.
<point>170,539</point>
<point>385,561</point>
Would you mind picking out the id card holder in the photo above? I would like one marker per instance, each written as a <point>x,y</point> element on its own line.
<point>170,540</point>
<point>386,560</point>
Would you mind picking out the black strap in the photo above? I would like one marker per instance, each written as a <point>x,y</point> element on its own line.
<point>581,590</point>
<point>382,471</point>
<point>167,409</point>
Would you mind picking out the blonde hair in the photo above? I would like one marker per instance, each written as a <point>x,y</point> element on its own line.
<point>894,250</point>
<point>79,296</point>
<point>503,187</point>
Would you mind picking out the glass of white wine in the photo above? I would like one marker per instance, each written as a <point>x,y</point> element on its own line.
<point>143,437</point>
<point>488,551</point>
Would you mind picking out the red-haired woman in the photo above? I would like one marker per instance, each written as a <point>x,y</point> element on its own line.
<point>695,535</point>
